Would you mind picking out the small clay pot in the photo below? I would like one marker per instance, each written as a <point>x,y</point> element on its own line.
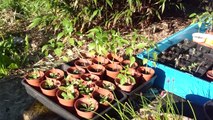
<point>100,60</point>
<point>127,63</point>
<point>64,102</point>
<point>146,72</point>
<point>88,101</point>
<point>209,74</point>
<point>50,92</point>
<point>112,70</point>
<point>82,63</point>
<point>126,87</point>
<point>103,92</point>
<point>34,82</point>
<point>75,72</point>
<point>96,69</point>
<point>115,59</point>
<point>58,72</point>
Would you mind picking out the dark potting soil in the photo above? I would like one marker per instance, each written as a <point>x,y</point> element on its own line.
<point>188,56</point>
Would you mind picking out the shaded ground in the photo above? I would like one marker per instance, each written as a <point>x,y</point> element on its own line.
<point>14,99</point>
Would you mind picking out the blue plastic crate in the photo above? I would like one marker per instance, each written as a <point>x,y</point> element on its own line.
<point>180,83</point>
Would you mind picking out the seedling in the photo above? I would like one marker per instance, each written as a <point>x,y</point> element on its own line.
<point>68,92</point>
<point>126,77</point>
<point>103,99</point>
<point>87,107</point>
<point>34,75</point>
<point>76,71</point>
<point>109,86</point>
<point>54,75</point>
<point>49,84</point>
<point>85,89</point>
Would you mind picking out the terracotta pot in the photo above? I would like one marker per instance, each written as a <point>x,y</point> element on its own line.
<point>114,58</point>
<point>103,92</point>
<point>90,78</point>
<point>82,63</point>
<point>58,72</point>
<point>34,82</point>
<point>107,85</point>
<point>49,92</point>
<point>75,72</point>
<point>100,60</point>
<point>209,74</point>
<point>88,101</point>
<point>64,102</point>
<point>146,72</point>
<point>96,69</point>
<point>112,70</point>
<point>126,88</point>
<point>127,63</point>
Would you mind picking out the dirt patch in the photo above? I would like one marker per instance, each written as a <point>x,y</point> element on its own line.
<point>15,100</point>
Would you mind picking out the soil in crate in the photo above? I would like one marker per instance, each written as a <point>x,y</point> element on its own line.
<point>188,56</point>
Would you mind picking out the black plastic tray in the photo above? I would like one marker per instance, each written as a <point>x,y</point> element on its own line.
<point>141,88</point>
<point>53,104</point>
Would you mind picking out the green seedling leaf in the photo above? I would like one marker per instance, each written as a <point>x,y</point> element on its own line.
<point>44,48</point>
<point>192,15</point>
<point>35,22</point>
<point>65,59</point>
<point>141,45</point>
<point>91,46</point>
<point>109,3</point>
<point>129,51</point>
<point>58,51</point>
<point>60,35</point>
<point>13,66</point>
<point>71,41</point>
<point>93,15</point>
<point>145,61</point>
<point>132,60</point>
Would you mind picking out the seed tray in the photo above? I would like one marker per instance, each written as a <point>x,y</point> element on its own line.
<point>188,56</point>
<point>197,90</point>
<point>70,114</point>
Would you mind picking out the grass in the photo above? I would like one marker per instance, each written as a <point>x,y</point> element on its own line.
<point>142,108</point>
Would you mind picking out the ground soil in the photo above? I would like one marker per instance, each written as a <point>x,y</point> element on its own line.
<point>14,100</point>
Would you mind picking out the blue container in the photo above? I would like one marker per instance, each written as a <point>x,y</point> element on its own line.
<point>180,83</point>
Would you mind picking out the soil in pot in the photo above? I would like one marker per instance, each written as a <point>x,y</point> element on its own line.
<point>96,69</point>
<point>114,58</point>
<point>107,85</point>
<point>54,74</point>
<point>75,72</point>
<point>100,60</point>
<point>90,78</point>
<point>34,78</point>
<point>82,63</point>
<point>147,72</point>
<point>103,96</point>
<point>85,107</point>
